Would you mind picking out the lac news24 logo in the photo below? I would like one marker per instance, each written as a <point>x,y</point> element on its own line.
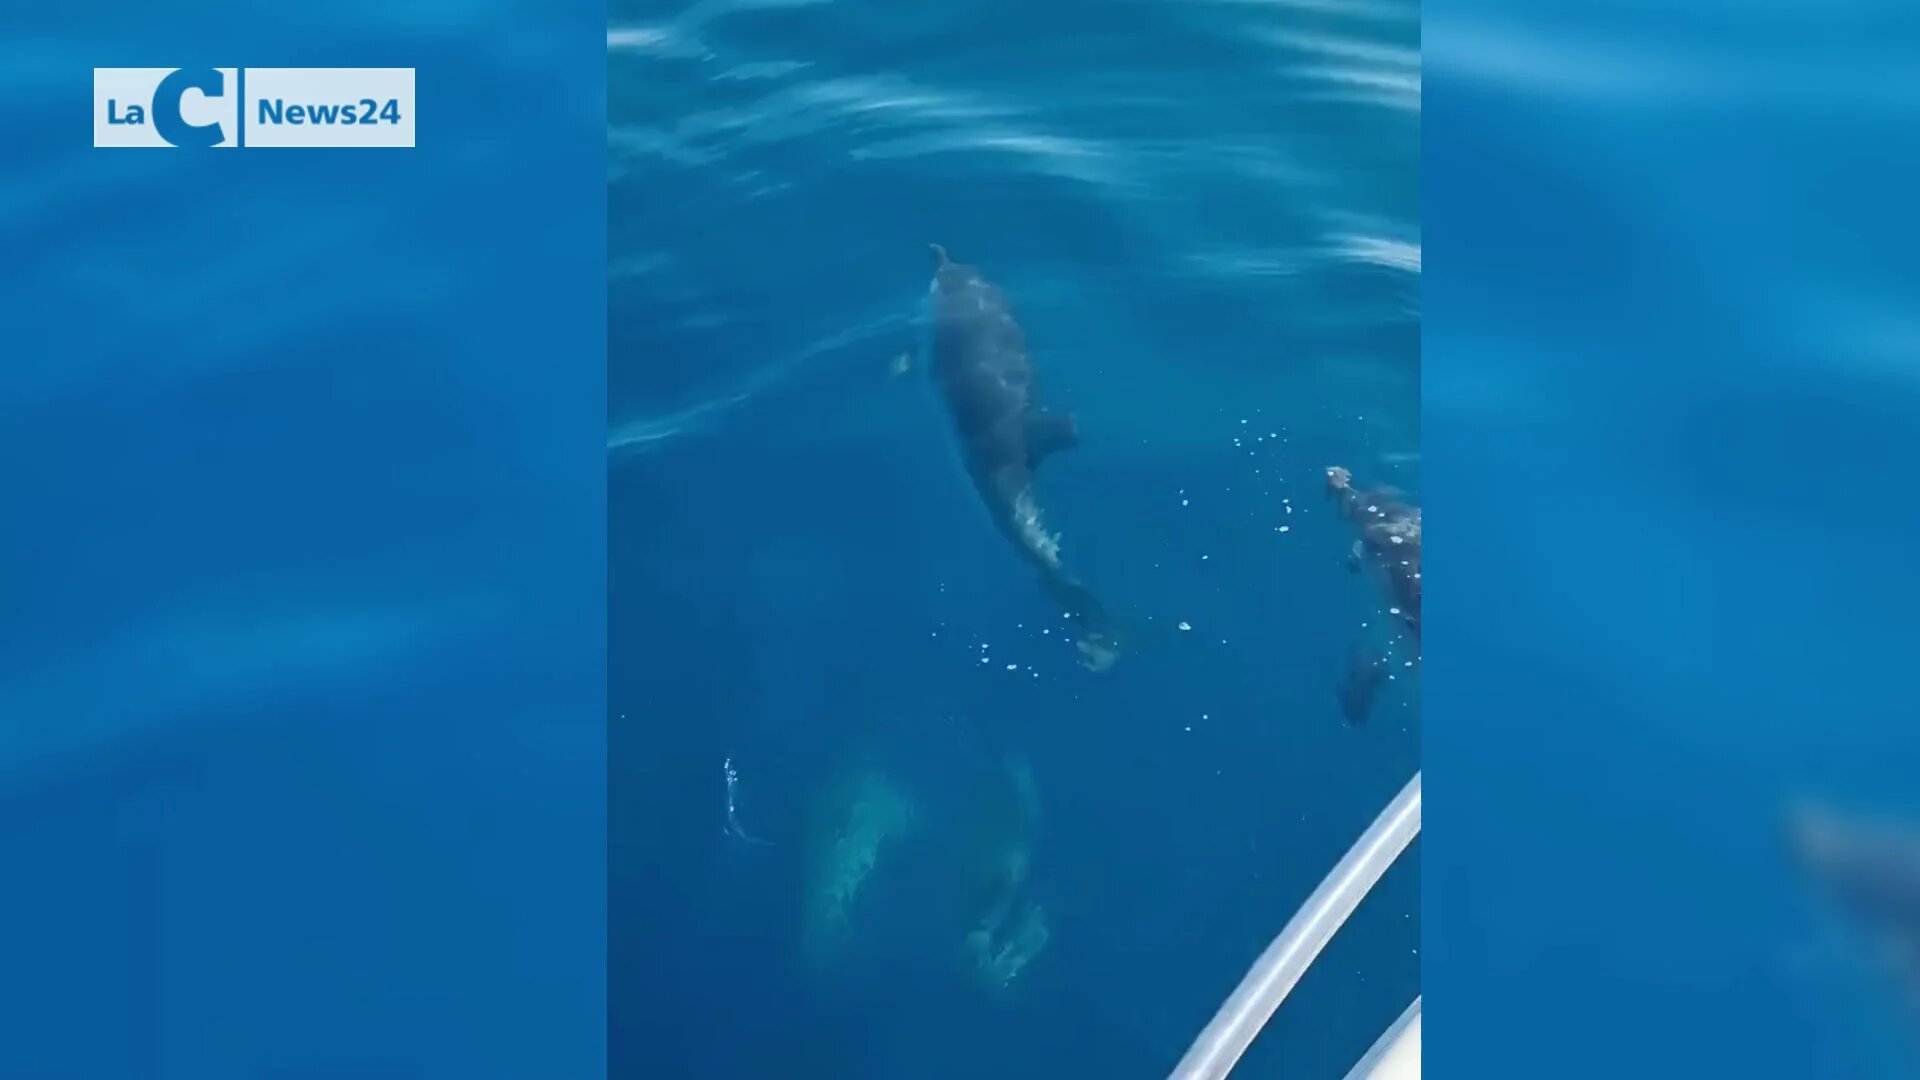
<point>253,107</point>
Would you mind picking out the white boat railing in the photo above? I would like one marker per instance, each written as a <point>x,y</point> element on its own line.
<point>1396,1055</point>
<point>1274,975</point>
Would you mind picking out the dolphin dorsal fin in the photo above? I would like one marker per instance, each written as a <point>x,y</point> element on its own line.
<point>940,259</point>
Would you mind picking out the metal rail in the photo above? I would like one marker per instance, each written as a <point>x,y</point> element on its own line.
<point>1279,968</point>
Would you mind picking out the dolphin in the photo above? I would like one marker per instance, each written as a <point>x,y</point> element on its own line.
<point>1873,870</point>
<point>978,357</point>
<point>1389,539</point>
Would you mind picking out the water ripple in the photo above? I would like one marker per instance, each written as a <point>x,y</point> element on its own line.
<point>1052,155</point>
<point>1263,190</point>
<point>643,433</point>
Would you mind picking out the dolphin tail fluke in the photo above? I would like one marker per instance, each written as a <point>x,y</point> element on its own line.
<point>1094,632</point>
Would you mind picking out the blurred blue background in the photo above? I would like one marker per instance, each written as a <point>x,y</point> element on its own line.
<point>300,603</point>
<point>302,579</point>
<point>1206,216</point>
<point>1670,387</point>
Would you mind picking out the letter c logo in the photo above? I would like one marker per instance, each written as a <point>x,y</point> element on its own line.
<point>167,120</point>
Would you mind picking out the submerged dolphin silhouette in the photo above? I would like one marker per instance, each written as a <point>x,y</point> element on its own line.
<point>1873,869</point>
<point>978,354</point>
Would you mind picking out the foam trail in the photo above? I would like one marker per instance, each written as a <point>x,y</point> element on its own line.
<point>646,433</point>
<point>638,436</point>
<point>734,828</point>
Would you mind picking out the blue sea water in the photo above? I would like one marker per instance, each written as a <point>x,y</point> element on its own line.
<point>299,713</point>
<point>1206,216</point>
<point>302,567</point>
<point>1670,395</point>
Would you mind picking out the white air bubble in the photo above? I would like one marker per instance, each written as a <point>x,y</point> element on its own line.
<point>1184,625</point>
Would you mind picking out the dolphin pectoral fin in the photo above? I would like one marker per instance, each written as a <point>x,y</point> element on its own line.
<point>1366,671</point>
<point>1048,434</point>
